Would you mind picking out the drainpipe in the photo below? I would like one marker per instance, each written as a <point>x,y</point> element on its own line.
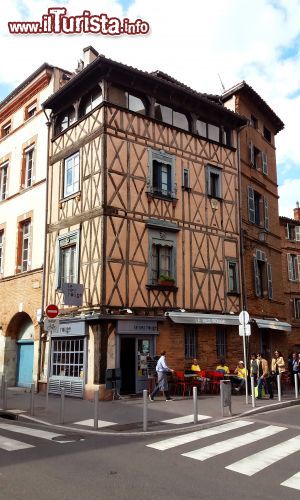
<point>48,124</point>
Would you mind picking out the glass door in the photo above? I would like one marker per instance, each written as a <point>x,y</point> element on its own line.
<point>144,350</point>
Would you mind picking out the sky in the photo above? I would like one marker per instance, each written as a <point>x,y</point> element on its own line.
<point>194,41</point>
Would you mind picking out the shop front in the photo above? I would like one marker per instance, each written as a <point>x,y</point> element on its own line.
<point>68,358</point>
<point>136,345</point>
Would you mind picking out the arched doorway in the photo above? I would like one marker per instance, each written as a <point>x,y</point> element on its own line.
<point>19,354</point>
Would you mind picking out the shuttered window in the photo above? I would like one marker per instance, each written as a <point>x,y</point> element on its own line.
<point>293,266</point>
<point>251,209</point>
<point>266,214</point>
<point>251,153</point>
<point>257,281</point>
<point>264,160</point>
<point>270,285</point>
<point>297,308</point>
<point>297,231</point>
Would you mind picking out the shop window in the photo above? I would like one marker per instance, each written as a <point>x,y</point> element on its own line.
<point>67,358</point>
<point>233,276</point>
<point>23,253</point>
<point>3,181</point>
<point>161,180</point>
<point>190,342</point>
<point>213,181</point>
<point>68,249</point>
<point>71,175</point>
<point>65,120</point>
<point>293,267</point>
<point>297,307</point>
<point>1,250</point>
<point>221,342</point>
<point>90,101</point>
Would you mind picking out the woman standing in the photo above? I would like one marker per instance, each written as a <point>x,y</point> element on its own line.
<point>278,364</point>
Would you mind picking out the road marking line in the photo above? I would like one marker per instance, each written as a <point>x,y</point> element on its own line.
<point>185,420</point>
<point>166,444</point>
<point>255,463</point>
<point>233,443</point>
<point>12,444</point>
<point>90,423</point>
<point>31,432</point>
<point>293,482</point>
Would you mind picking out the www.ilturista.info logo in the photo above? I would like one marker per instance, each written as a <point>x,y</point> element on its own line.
<point>57,21</point>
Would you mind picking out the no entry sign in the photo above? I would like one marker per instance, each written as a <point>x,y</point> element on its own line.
<point>52,311</point>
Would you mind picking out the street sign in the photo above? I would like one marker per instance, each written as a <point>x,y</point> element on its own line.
<point>244,318</point>
<point>247,330</point>
<point>51,325</point>
<point>52,311</point>
<point>73,294</point>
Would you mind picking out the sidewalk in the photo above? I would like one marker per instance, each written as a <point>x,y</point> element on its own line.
<point>126,415</point>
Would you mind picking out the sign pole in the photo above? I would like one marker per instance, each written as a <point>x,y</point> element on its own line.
<point>244,330</point>
<point>245,363</point>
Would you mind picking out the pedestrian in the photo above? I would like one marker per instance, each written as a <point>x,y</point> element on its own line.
<point>253,367</point>
<point>162,370</point>
<point>277,366</point>
<point>264,378</point>
<point>293,366</point>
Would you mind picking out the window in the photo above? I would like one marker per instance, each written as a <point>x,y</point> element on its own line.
<point>213,181</point>
<point>68,248</point>
<point>24,246</point>
<point>233,278</point>
<point>221,342</point>
<point>201,128</point>
<point>6,129</point>
<point>65,120</point>
<point>254,207</point>
<point>186,179</point>
<point>190,342</point>
<point>253,121</point>
<point>28,167</point>
<point>262,276</point>
<point>1,250</point>
<point>135,104</point>
<point>267,134</point>
<point>168,115</point>
<point>264,161</point>
<point>90,101</point>
<point>67,357</point>
<point>213,132</point>
<point>293,267</point>
<point>161,180</point>
<point>3,181</point>
<point>30,110</point>
<point>297,308</point>
<point>71,175</point>
<point>293,232</point>
<point>162,252</point>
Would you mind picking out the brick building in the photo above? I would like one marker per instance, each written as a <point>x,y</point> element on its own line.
<point>23,161</point>
<point>290,238</point>
<point>263,294</point>
<point>143,212</point>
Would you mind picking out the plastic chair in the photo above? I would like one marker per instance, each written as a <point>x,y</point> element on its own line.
<point>181,383</point>
<point>215,380</point>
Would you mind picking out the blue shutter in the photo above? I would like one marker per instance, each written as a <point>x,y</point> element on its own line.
<point>256,279</point>
<point>270,285</point>
<point>251,208</point>
<point>266,214</point>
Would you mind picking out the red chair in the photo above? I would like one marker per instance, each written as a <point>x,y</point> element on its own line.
<point>181,383</point>
<point>215,380</point>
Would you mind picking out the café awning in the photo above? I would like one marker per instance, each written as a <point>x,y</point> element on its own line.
<point>203,319</point>
<point>273,324</point>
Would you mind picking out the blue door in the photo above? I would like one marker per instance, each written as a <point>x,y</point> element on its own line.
<point>25,363</point>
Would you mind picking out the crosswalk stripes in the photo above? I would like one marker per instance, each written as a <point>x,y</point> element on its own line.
<point>186,419</point>
<point>293,482</point>
<point>259,461</point>
<point>234,443</point>
<point>90,423</point>
<point>8,444</point>
<point>166,444</point>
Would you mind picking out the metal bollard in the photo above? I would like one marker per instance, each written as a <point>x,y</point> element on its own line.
<point>279,387</point>
<point>32,400</point>
<point>195,400</point>
<point>62,406</point>
<point>4,395</point>
<point>296,386</point>
<point>145,410</point>
<point>96,407</point>
<point>252,392</point>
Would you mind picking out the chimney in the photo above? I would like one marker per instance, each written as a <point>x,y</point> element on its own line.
<point>89,55</point>
<point>297,211</point>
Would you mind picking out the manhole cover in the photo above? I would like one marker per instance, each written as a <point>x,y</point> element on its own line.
<point>68,438</point>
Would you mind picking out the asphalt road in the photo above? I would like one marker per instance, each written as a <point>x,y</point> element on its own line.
<point>37,465</point>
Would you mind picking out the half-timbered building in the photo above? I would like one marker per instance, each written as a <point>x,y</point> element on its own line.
<point>142,212</point>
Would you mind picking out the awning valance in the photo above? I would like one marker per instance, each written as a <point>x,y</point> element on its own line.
<point>272,324</point>
<point>203,319</point>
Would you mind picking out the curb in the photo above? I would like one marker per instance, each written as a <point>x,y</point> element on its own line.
<point>206,425</point>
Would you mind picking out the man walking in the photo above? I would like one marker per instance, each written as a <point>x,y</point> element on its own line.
<point>263,376</point>
<point>162,381</point>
